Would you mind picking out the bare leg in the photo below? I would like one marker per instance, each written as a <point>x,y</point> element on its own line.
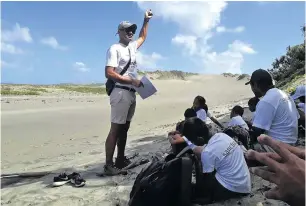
<point>110,144</point>
<point>121,141</point>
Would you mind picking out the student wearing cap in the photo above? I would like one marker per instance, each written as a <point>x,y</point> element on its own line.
<point>276,114</point>
<point>299,94</point>
<point>122,56</point>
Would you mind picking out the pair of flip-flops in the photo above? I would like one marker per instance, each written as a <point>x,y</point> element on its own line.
<point>74,178</point>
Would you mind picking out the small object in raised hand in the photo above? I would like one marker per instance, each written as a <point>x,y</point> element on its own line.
<point>148,14</point>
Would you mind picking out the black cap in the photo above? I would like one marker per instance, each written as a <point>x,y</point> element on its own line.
<point>261,75</point>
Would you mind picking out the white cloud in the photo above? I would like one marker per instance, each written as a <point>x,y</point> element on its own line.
<point>196,17</point>
<point>263,2</point>
<point>18,33</point>
<point>239,46</point>
<point>148,61</point>
<point>53,43</point>
<point>197,22</point>
<point>80,66</point>
<point>9,48</point>
<point>222,29</point>
<point>5,64</point>
<point>200,52</point>
<point>230,60</point>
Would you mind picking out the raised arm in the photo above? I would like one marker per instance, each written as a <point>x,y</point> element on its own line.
<point>217,122</point>
<point>144,30</point>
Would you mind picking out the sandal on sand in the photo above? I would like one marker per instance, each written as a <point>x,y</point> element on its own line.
<point>60,180</point>
<point>77,180</point>
<point>111,170</point>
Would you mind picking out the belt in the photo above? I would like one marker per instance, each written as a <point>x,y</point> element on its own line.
<point>126,88</point>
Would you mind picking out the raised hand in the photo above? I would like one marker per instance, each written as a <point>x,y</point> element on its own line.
<point>148,14</point>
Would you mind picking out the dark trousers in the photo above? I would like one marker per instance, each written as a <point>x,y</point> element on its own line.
<point>209,190</point>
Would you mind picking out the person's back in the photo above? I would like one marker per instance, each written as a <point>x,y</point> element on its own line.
<point>224,155</point>
<point>236,118</point>
<point>277,114</point>
<point>189,113</point>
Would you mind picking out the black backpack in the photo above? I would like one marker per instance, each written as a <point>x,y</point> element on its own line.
<point>165,182</point>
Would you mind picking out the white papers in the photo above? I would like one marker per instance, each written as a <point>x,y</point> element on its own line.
<point>148,88</point>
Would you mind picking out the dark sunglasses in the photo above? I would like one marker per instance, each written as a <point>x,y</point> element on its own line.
<point>128,30</point>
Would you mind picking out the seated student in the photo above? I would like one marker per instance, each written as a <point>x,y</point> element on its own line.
<point>299,94</point>
<point>252,103</point>
<point>237,127</point>
<point>276,114</point>
<point>199,105</point>
<point>225,172</point>
<point>189,113</point>
<point>236,118</point>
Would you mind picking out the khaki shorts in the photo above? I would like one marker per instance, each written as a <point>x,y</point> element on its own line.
<point>123,104</point>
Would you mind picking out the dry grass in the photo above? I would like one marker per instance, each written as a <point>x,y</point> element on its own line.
<point>88,89</point>
<point>10,92</point>
<point>290,87</point>
<point>22,90</point>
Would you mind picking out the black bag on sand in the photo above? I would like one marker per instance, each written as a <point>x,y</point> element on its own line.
<point>110,84</point>
<point>165,182</point>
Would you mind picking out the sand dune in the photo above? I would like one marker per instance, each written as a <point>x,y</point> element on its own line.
<point>64,134</point>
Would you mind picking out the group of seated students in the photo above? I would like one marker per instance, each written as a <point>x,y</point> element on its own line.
<point>224,167</point>
<point>225,171</point>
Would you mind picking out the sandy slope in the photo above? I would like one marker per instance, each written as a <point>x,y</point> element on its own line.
<point>68,133</point>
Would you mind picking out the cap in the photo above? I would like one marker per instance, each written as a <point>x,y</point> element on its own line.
<point>261,75</point>
<point>299,92</point>
<point>126,24</point>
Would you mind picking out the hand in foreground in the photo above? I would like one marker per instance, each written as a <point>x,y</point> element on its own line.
<point>176,138</point>
<point>285,169</point>
<point>137,83</point>
<point>173,133</point>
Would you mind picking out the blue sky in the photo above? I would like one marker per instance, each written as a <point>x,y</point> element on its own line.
<point>61,42</point>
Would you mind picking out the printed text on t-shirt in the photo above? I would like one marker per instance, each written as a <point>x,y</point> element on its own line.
<point>230,148</point>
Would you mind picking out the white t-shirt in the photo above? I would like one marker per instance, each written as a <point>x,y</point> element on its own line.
<point>238,121</point>
<point>225,156</point>
<point>118,56</point>
<point>301,106</point>
<point>277,114</point>
<point>202,115</point>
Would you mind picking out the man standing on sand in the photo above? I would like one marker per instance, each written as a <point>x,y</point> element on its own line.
<point>122,98</point>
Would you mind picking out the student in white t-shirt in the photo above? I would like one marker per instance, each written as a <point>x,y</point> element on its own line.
<point>252,103</point>
<point>189,113</point>
<point>236,118</point>
<point>299,94</point>
<point>238,128</point>
<point>225,172</point>
<point>276,114</point>
<point>199,105</point>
